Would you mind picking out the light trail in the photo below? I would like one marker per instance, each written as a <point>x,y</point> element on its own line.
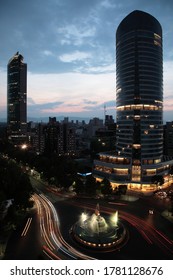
<point>146,237</point>
<point>118,203</point>
<point>148,232</point>
<point>50,232</point>
<point>46,238</point>
<point>26,228</point>
<point>59,246</point>
<point>50,254</point>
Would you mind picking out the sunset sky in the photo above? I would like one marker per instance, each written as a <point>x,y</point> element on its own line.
<point>69,48</point>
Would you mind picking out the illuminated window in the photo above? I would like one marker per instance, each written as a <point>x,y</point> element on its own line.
<point>118,90</point>
<point>120,171</point>
<point>157,36</point>
<point>157,160</point>
<point>150,172</point>
<point>136,146</point>
<point>137,117</point>
<point>139,107</point>
<point>156,43</point>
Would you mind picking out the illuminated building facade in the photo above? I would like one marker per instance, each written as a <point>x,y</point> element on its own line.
<point>16,98</point>
<point>138,155</point>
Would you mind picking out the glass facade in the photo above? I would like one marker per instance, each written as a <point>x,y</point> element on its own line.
<point>139,104</point>
<point>16,96</point>
<point>139,95</point>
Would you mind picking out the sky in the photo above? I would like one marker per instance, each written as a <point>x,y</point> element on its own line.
<point>69,48</point>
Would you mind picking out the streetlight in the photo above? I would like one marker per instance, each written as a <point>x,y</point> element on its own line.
<point>24,146</point>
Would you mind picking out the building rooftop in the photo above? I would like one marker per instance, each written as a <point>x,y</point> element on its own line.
<point>139,20</point>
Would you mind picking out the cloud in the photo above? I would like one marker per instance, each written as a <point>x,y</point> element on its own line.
<point>110,103</point>
<point>42,109</point>
<point>47,105</point>
<point>110,68</point>
<point>75,56</point>
<point>168,97</point>
<point>69,93</point>
<point>30,101</point>
<point>75,34</point>
<point>107,105</point>
<point>167,80</point>
<point>47,53</point>
<point>109,5</point>
<point>86,101</point>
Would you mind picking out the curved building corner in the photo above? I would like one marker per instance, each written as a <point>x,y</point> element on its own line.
<point>138,155</point>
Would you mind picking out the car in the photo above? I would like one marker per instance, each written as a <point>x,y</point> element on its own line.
<point>151,211</point>
<point>161,194</point>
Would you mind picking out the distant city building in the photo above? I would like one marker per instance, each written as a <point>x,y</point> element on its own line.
<point>168,139</point>
<point>138,155</point>
<point>69,139</point>
<point>38,139</point>
<point>94,125</point>
<point>16,98</point>
<point>105,136</point>
<point>55,137</point>
<point>53,133</point>
<point>109,121</point>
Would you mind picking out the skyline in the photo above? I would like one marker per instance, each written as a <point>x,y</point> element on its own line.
<point>71,60</point>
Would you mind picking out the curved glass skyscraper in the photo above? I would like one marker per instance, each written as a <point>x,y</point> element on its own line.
<point>138,154</point>
<point>139,94</point>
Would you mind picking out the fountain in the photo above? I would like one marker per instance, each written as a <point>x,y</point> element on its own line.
<point>96,224</point>
<point>99,231</point>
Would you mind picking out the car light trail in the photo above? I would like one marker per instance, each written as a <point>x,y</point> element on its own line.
<point>147,231</point>
<point>50,232</point>
<point>146,237</point>
<point>46,238</point>
<point>26,228</point>
<point>50,254</point>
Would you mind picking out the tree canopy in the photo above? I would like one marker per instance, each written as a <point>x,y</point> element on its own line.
<point>14,184</point>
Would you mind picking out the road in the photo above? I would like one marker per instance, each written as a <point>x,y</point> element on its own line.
<point>145,240</point>
<point>45,232</point>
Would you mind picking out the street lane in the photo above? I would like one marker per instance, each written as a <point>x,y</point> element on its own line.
<point>46,232</point>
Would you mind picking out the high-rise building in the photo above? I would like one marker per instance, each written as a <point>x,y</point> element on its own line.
<point>138,154</point>
<point>168,139</point>
<point>139,96</point>
<point>16,98</point>
<point>60,138</point>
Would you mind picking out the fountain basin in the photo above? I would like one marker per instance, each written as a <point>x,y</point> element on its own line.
<point>99,232</point>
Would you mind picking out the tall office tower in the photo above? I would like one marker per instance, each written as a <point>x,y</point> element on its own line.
<point>138,154</point>
<point>16,98</point>
<point>139,95</point>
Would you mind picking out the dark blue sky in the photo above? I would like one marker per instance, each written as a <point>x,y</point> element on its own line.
<point>69,47</point>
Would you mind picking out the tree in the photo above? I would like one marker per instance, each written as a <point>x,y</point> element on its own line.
<point>122,189</point>
<point>23,192</point>
<point>14,184</point>
<point>106,187</point>
<point>90,185</point>
<point>158,180</point>
<point>171,170</point>
<point>79,186</point>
